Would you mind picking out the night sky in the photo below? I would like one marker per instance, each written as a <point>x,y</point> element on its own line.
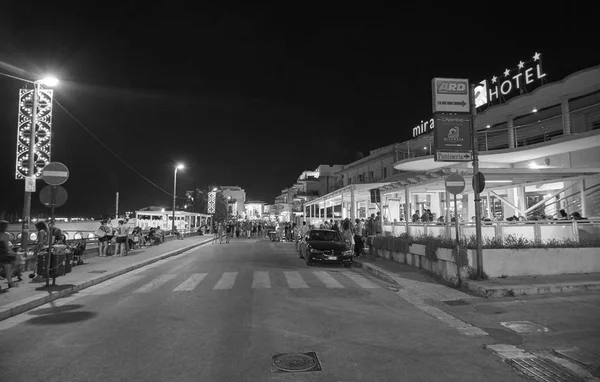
<point>250,95</point>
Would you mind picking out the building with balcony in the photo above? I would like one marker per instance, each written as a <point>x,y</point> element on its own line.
<point>377,167</point>
<point>539,153</point>
<point>350,197</point>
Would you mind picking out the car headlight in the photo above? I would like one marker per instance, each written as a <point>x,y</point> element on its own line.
<point>347,253</point>
<point>312,250</point>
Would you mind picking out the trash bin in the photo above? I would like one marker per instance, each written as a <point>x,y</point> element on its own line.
<point>57,264</point>
<point>68,262</point>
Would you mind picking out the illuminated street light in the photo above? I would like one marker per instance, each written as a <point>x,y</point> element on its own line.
<point>178,167</point>
<point>48,81</point>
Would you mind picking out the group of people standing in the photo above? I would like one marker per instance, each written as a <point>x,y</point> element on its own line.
<point>359,233</point>
<point>231,228</point>
<point>125,238</point>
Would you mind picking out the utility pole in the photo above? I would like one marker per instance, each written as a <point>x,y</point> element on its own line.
<point>476,190</point>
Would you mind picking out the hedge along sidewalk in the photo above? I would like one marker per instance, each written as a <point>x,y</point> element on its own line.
<point>95,270</point>
<point>412,279</point>
<point>534,285</point>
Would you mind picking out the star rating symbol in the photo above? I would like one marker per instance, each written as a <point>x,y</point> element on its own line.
<point>521,63</point>
<point>506,73</point>
<point>536,56</point>
<point>494,79</point>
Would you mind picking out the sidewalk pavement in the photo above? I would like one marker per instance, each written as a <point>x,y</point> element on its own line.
<point>30,294</point>
<point>421,283</point>
<point>534,285</point>
<point>411,279</point>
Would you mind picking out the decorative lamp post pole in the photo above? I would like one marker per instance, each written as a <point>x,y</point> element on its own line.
<point>31,168</point>
<point>178,167</point>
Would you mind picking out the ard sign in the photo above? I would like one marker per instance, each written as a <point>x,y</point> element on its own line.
<point>450,95</point>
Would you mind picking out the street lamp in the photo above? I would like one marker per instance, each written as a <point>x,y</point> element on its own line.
<point>48,81</point>
<point>178,167</point>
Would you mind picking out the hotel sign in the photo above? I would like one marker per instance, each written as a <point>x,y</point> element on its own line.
<point>512,82</point>
<point>526,76</point>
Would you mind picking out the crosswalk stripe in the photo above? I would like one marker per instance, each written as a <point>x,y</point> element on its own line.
<point>191,283</point>
<point>261,280</point>
<point>154,284</point>
<point>294,280</point>
<point>360,280</point>
<point>113,287</point>
<point>226,281</point>
<point>328,279</point>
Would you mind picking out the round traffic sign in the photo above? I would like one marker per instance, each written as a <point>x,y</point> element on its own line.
<point>478,182</point>
<point>60,196</point>
<point>55,173</point>
<point>455,184</point>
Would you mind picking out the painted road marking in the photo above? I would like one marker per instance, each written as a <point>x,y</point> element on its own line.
<point>294,280</point>
<point>115,286</point>
<point>191,283</point>
<point>360,280</point>
<point>226,281</point>
<point>261,280</point>
<point>155,284</point>
<point>327,279</point>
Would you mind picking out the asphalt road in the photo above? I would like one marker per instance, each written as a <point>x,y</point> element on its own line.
<point>221,312</point>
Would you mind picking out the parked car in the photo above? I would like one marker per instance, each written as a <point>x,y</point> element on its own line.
<point>325,246</point>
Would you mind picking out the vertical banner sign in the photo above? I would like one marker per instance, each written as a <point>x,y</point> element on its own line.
<point>43,131</point>
<point>212,202</point>
<point>452,138</point>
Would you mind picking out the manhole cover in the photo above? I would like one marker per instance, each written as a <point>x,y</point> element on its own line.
<point>98,271</point>
<point>297,362</point>
<point>489,309</point>
<point>543,370</point>
<point>456,302</point>
<point>525,327</point>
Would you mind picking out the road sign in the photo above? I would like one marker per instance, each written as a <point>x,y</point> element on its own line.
<point>450,95</point>
<point>30,184</point>
<point>60,196</point>
<point>478,182</point>
<point>455,184</point>
<point>55,173</point>
<point>453,156</point>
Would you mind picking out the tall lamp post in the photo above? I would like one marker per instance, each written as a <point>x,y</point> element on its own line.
<point>31,171</point>
<point>178,167</point>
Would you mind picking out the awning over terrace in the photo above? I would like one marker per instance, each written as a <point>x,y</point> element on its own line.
<point>433,181</point>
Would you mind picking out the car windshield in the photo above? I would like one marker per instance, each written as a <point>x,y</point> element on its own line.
<point>325,236</point>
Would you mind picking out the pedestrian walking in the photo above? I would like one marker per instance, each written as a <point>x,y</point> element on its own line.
<point>228,233</point>
<point>7,255</point>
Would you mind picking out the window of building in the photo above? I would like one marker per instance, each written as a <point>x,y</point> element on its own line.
<point>384,172</point>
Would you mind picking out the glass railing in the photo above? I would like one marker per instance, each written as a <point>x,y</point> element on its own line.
<point>582,120</point>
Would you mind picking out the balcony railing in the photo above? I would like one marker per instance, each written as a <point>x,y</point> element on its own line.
<point>582,120</point>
